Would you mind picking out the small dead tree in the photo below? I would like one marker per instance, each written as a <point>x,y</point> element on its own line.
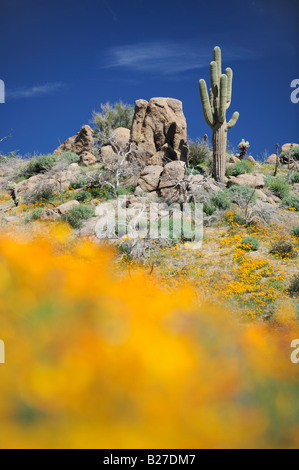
<point>277,161</point>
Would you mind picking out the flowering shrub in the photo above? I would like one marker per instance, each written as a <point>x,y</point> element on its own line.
<point>249,244</point>
<point>98,358</point>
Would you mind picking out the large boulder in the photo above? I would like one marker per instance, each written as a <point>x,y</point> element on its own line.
<point>255,181</point>
<point>286,147</point>
<point>158,122</point>
<point>108,155</point>
<point>120,137</point>
<point>149,177</point>
<point>272,159</point>
<point>66,206</point>
<point>53,181</point>
<point>87,158</point>
<point>171,181</point>
<point>81,142</point>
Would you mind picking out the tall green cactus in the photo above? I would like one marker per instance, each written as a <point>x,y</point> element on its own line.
<point>214,105</point>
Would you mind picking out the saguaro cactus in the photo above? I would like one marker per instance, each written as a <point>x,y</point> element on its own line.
<point>214,105</point>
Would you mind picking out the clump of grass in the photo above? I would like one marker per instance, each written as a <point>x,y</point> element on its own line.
<point>279,187</point>
<point>35,214</point>
<point>239,168</point>
<point>294,286</point>
<point>249,244</point>
<point>77,214</point>
<point>291,201</point>
<point>39,165</point>
<point>295,231</point>
<point>283,248</point>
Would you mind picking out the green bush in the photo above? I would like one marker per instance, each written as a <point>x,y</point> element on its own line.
<point>77,214</point>
<point>122,191</point>
<point>199,152</point>
<point>295,231</point>
<point>69,157</point>
<point>279,187</point>
<point>79,183</point>
<point>110,117</point>
<point>249,244</point>
<point>291,201</point>
<point>39,165</point>
<point>294,286</point>
<point>220,200</point>
<point>239,168</point>
<point>208,208</point>
<point>35,214</point>
<point>295,177</point>
<point>283,249</point>
<point>242,193</point>
<point>82,196</point>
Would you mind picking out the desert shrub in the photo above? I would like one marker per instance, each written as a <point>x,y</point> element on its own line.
<point>39,165</point>
<point>199,152</point>
<point>294,153</point>
<point>249,244</point>
<point>35,214</point>
<point>208,208</point>
<point>77,214</point>
<point>279,187</point>
<point>110,117</point>
<point>239,168</point>
<point>220,200</point>
<point>122,191</point>
<point>82,196</point>
<point>295,231</point>
<point>43,192</point>
<point>295,177</point>
<point>291,201</point>
<point>283,248</point>
<point>294,286</point>
<point>242,193</point>
<point>69,157</point>
<point>80,182</point>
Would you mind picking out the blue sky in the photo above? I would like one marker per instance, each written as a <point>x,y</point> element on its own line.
<point>61,59</point>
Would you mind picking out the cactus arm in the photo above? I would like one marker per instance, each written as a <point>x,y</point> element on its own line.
<point>214,77</point>
<point>229,74</point>
<point>223,98</point>
<point>211,96</point>
<point>233,120</point>
<point>217,59</point>
<point>205,102</point>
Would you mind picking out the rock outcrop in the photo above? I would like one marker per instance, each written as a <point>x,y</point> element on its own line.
<point>79,143</point>
<point>156,123</point>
